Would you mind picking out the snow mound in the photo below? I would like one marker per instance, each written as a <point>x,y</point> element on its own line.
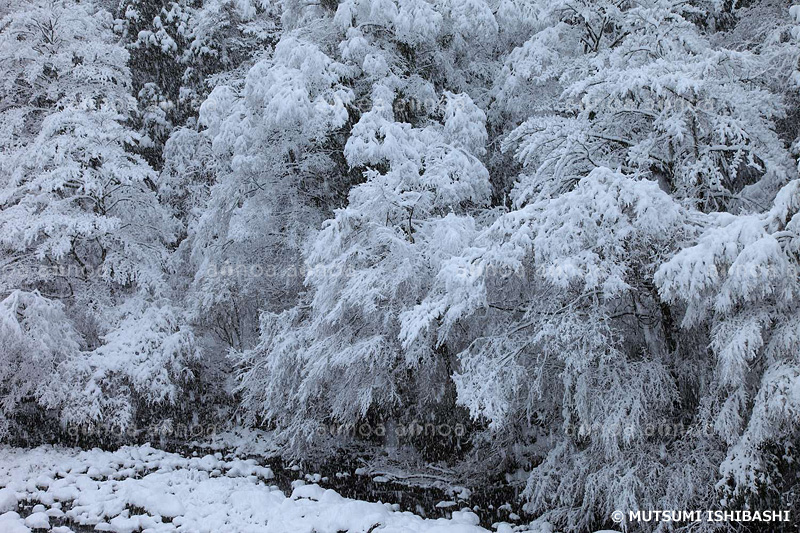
<point>38,521</point>
<point>11,523</point>
<point>8,500</point>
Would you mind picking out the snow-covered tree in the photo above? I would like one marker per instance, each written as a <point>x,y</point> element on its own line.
<point>221,37</point>
<point>143,362</point>
<point>81,224</point>
<point>741,281</point>
<point>648,93</point>
<point>151,34</point>
<point>37,337</point>
<point>638,125</point>
<point>418,149</point>
<point>274,170</point>
<point>562,337</point>
<point>177,48</point>
<point>338,352</point>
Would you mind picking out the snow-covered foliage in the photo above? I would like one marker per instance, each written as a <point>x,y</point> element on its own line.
<point>143,360</point>
<point>568,228</point>
<point>177,51</point>
<point>646,92</point>
<point>369,264</point>
<point>267,140</point>
<point>414,154</point>
<point>564,334</point>
<point>741,281</point>
<point>37,337</point>
<point>83,231</point>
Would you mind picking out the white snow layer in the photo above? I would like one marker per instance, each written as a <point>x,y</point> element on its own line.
<point>149,490</point>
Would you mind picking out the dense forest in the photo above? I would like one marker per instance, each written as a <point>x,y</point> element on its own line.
<point>555,242</point>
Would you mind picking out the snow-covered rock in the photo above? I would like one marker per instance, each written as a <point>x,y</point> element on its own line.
<point>10,522</point>
<point>8,500</point>
<point>466,516</point>
<point>157,503</point>
<point>311,492</point>
<point>38,521</point>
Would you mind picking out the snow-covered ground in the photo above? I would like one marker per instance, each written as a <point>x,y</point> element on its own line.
<point>145,489</point>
